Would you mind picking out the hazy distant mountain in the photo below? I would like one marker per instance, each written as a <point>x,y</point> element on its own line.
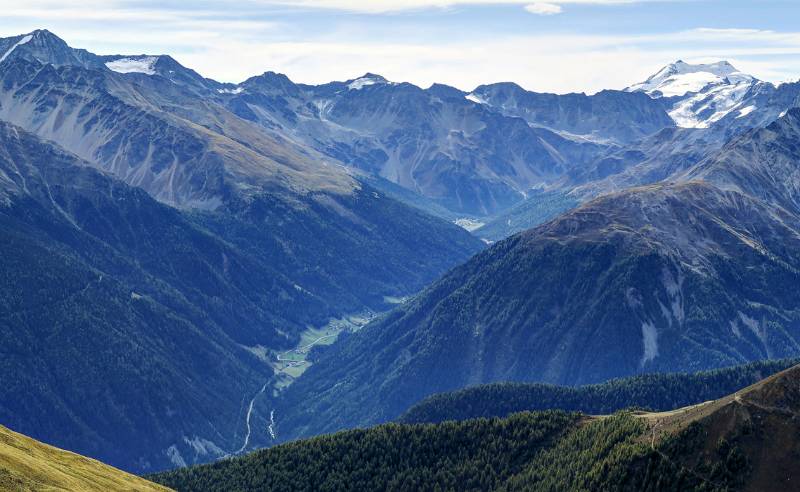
<point>435,142</point>
<point>615,116</point>
<point>763,163</point>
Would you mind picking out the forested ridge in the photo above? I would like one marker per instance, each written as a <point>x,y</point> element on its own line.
<point>479,454</point>
<point>531,451</point>
<point>656,392</point>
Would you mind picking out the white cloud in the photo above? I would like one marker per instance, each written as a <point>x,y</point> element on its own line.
<point>232,44</point>
<point>543,8</point>
<point>384,6</point>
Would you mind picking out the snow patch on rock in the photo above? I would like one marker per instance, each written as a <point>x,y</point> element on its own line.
<point>649,342</point>
<point>475,98</point>
<point>19,43</point>
<point>745,111</point>
<point>674,287</point>
<point>362,82</point>
<point>468,224</point>
<point>142,64</point>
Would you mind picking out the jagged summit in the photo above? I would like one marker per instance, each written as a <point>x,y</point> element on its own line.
<point>43,46</point>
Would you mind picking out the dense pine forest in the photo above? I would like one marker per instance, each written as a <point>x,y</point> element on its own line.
<point>538,451</point>
<point>478,454</point>
<point>655,392</point>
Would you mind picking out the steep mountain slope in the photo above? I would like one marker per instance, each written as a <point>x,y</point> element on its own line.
<point>26,464</point>
<point>658,392</point>
<point>119,320</point>
<point>167,302</point>
<point>744,441</point>
<point>762,163</point>
<point>668,277</point>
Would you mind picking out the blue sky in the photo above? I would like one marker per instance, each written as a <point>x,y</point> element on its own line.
<point>556,45</point>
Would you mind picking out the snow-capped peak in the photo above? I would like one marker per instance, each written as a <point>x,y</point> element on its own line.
<point>704,93</point>
<point>134,64</point>
<point>368,79</point>
<point>681,78</point>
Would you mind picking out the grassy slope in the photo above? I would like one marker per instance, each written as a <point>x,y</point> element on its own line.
<point>27,464</point>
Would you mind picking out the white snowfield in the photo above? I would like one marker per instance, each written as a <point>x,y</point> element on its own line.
<point>474,98</point>
<point>359,84</point>
<point>681,78</point>
<point>22,41</point>
<point>141,64</point>
<point>707,92</point>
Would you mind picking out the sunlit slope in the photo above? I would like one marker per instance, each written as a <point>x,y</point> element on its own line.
<point>27,464</point>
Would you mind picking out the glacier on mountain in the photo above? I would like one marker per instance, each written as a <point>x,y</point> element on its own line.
<point>145,64</point>
<point>703,93</point>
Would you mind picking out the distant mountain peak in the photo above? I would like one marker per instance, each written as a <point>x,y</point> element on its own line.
<point>45,47</point>
<point>681,78</point>
<point>704,93</point>
<point>365,80</point>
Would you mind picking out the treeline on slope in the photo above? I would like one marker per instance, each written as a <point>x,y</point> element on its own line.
<point>656,392</point>
<point>479,454</point>
<point>538,451</point>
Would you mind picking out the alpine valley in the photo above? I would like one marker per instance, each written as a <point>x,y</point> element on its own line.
<point>191,270</point>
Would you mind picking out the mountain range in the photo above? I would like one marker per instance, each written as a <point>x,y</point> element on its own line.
<point>179,252</point>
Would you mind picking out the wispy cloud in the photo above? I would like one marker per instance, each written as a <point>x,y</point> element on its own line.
<point>544,8</point>
<point>384,6</point>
